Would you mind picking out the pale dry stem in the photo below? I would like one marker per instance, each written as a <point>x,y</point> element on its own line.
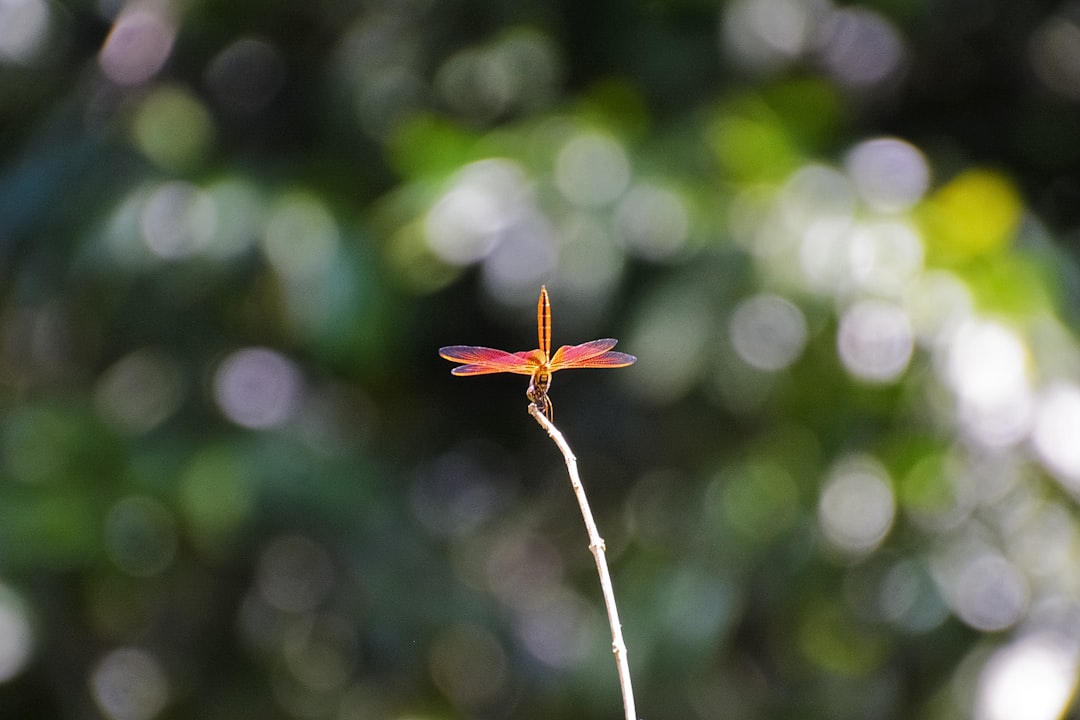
<point>596,545</point>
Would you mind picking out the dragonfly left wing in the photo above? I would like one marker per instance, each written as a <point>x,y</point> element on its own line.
<point>484,360</point>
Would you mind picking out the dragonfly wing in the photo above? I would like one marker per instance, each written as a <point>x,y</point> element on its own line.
<point>595,353</point>
<point>484,361</point>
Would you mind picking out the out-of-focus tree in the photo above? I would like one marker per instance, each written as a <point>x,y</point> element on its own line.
<point>236,480</point>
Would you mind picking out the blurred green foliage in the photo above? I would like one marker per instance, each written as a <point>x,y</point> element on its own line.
<point>237,481</point>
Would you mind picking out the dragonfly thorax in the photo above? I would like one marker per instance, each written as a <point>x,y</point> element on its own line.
<point>538,388</point>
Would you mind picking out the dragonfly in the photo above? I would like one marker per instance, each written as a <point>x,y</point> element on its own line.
<point>539,364</point>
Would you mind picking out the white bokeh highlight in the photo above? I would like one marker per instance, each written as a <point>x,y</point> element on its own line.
<point>1031,678</point>
<point>484,202</point>
<point>129,683</point>
<point>592,170</point>
<point>856,506</point>
<point>768,332</point>
<point>986,365</point>
<point>890,174</point>
<point>875,341</point>
<point>17,643</point>
<point>24,30</point>
<point>257,387</point>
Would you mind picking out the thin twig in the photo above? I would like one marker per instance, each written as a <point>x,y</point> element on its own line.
<point>596,545</point>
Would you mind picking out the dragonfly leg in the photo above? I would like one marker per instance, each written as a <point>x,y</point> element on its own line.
<point>538,397</point>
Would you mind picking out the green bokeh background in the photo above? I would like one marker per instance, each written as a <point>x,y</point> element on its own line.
<point>236,480</point>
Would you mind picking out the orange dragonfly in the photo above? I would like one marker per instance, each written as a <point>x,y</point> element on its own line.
<point>539,363</point>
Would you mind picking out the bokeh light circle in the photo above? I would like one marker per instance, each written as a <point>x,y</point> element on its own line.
<point>1031,678</point>
<point>258,387</point>
<point>178,220</point>
<point>592,170</point>
<point>24,29</point>
<point>484,200</point>
<point>1054,432</point>
<point>295,574</point>
<point>129,683</point>
<point>856,506</point>
<point>138,45</point>
<point>17,642</point>
<point>652,221</point>
<point>875,341</point>
<point>890,174</point>
<point>141,535</point>
<point>768,331</point>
